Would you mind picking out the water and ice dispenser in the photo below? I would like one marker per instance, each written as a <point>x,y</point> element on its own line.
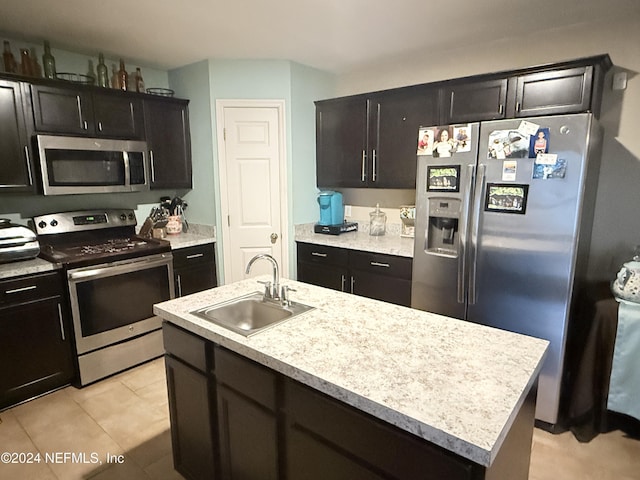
<point>442,236</point>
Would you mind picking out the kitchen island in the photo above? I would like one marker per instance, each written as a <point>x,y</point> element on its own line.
<point>453,391</point>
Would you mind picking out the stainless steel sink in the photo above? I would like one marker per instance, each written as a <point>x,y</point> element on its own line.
<point>250,314</point>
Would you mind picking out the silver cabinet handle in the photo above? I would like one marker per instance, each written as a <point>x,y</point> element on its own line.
<point>28,160</point>
<point>378,264</point>
<point>195,255</point>
<point>343,280</point>
<point>374,173</point>
<point>363,176</point>
<point>518,107</point>
<point>179,282</point>
<point>23,289</point>
<point>100,126</point>
<point>61,322</point>
<point>501,109</point>
<point>353,282</point>
<point>153,170</point>
<point>318,254</point>
<point>83,123</point>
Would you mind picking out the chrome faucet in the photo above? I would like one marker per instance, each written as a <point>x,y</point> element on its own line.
<point>272,289</point>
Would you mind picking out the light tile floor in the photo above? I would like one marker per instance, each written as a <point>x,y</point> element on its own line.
<point>125,418</point>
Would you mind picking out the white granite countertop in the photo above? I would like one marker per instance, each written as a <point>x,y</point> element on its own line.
<point>391,243</point>
<point>454,383</point>
<point>197,235</point>
<point>26,267</point>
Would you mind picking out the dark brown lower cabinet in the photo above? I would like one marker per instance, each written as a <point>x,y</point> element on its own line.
<point>194,269</point>
<point>248,436</point>
<point>35,344</point>
<point>373,275</point>
<point>269,426</point>
<point>192,414</point>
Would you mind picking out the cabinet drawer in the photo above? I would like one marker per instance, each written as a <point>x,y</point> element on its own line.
<point>186,257</point>
<point>184,345</point>
<point>381,264</point>
<point>30,288</point>
<point>309,252</point>
<point>246,377</point>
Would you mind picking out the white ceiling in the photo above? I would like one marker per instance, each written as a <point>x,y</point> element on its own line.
<point>332,35</point>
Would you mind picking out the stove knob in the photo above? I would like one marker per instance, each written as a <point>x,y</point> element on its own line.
<point>54,223</point>
<point>131,216</point>
<point>123,217</point>
<point>42,224</point>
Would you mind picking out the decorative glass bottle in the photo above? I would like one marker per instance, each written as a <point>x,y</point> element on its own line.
<point>48,62</point>
<point>123,77</point>
<point>139,81</point>
<point>10,65</point>
<point>36,69</point>
<point>25,66</point>
<point>103,72</point>
<point>91,74</point>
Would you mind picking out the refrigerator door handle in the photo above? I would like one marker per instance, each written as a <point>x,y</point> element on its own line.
<point>462,253</point>
<point>477,206</point>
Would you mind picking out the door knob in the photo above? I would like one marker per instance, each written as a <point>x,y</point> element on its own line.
<point>274,237</point>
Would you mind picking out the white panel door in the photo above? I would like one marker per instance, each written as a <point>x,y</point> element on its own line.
<point>252,187</point>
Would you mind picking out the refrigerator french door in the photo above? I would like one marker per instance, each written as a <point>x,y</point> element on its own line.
<point>503,225</point>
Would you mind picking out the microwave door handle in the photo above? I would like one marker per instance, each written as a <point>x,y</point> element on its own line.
<point>153,170</point>
<point>127,169</point>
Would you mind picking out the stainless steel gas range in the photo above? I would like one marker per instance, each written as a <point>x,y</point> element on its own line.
<point>114,278</point>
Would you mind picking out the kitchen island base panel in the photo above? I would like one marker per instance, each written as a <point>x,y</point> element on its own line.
<point>306,433</point>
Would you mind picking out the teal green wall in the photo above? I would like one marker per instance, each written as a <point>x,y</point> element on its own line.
<point>205,82</point>
<point>192,82</point>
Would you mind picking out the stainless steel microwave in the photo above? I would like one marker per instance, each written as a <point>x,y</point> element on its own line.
<point>72,165</point>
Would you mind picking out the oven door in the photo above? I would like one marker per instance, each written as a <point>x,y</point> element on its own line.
<point>114,302</point>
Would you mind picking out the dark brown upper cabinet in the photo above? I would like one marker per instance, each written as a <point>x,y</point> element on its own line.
<point>169,142</point>
<point>474,101</point>
<point>16,163</point>
<point>79,111</point>
<point>370,141</point>
<point>555,92</point>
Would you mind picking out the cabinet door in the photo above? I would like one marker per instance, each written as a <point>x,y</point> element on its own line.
<point>248,428</point>
<point>166,124</point>
<point>194,269</point>
<point>341,140</point>
<point>35,350</point>
<point>16,170</point>
<point>118,116</point>
<point>381,287</point>
<point>62,110</point>
<point>248,438</point>
<point>555,92</point>
<point>328,276</point>
<point>195,279</point>
<point>395,118</point>
<point>192,414</point>
<point>474,101</point>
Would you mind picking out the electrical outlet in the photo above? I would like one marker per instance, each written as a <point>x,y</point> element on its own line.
<point>347,210</point>
<point>619,81</point>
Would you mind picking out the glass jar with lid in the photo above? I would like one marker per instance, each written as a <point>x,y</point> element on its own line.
<point>377,222</point>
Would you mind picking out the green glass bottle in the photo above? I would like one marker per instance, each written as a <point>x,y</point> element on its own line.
<point>103,72</point>
<point>48,62</point>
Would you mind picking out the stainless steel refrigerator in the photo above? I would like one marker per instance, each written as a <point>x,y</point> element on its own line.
<point>504,211</point>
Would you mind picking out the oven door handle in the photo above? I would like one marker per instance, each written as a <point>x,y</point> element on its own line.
<point>110,270</point>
